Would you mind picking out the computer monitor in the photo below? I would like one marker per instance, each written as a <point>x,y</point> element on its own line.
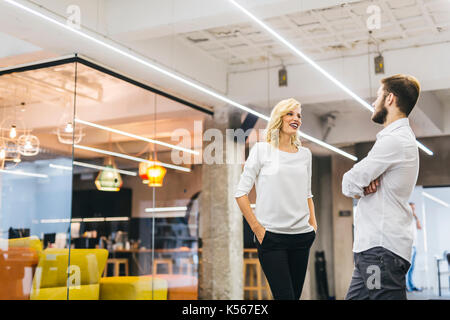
<point>14,233</point>
<point>49,238</point>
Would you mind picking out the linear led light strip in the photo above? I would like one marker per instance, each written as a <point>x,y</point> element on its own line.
<point>21,173</point>
<point>57,166</point>
<point>165,72</point>
<point>165,209</point>
<point>84,220</point>
<point>429,196</point>
<point>124,156</point>
<point>92,166</point>
<point>315,66</point>
<point>135,136</point>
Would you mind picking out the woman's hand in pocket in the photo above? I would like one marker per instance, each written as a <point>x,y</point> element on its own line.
<point>260,232</point>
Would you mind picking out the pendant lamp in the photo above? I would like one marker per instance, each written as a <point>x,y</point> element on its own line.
<point>66,131</point>
<point>28,145</point>
<point>143,167</point>
<point>109,179</point>
<point>155,174</point>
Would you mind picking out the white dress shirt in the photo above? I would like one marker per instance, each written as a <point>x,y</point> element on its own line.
<point>385,218</point>
<point>283,186</point>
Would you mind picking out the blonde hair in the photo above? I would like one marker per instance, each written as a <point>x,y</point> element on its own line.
<point>275,123</point>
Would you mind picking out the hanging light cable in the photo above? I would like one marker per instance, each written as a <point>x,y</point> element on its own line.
<point>155,173</point>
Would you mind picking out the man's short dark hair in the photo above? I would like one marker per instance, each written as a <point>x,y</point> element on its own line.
<point>406,88</point>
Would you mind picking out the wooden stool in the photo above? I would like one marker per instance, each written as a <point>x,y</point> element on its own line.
<point>186,263</point>
<point>160,261</point>
<point>116,263</point>
<point>252,277</point>
<point>254,280</point>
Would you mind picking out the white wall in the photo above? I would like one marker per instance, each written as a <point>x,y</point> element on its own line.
<point>433,239</point>
<point>26,200</point>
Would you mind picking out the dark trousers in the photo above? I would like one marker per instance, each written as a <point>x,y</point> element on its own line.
<point>284,259</point>
<point>379,274</point>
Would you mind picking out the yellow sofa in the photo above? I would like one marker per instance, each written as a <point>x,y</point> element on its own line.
<point>54,280</point>
<point>133,288</point>
<point>29,242</point>
<point>180,286</point>
<point>18,261</point>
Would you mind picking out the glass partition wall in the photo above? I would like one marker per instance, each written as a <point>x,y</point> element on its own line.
<point>36,109</point>
<point>100,178</point>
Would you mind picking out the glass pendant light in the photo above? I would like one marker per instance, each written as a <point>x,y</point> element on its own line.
<point>11,128</point>
<point>9,150</point>
<point>155,174</point>
<point>28,145</point>
<point>16,139</point>
<point>13,131</point>
<point>143,167</point>
<point>109,179</point>
<point>152,174</point>
<point>66,132</point>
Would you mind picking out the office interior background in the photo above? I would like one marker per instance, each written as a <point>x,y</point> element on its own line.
<point>108,108</point>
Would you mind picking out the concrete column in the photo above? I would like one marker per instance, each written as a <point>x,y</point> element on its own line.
<point>321,188</point>
<point>342,227</point>
<point>221,271</point>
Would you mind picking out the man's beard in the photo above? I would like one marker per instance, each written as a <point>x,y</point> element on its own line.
<point>380,116</point>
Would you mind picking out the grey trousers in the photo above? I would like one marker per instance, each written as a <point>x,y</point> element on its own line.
<point>379,274</point>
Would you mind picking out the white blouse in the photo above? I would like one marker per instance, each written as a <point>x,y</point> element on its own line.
<point>283,185</point>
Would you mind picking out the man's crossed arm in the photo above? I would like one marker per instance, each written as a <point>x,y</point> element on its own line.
<point>365,176</point>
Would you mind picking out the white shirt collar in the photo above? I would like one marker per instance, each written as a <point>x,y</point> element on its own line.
<point>394,125</point>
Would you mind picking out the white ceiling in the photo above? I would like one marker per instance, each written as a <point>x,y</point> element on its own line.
<point>215,45</point>
<point>330,32</point>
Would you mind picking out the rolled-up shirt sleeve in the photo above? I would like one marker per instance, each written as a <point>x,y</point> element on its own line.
<point>386,151</point>
<point>309,167</point>
<point>250,172</point>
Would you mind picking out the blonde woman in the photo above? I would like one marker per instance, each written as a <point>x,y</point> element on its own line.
<point>284,222</point>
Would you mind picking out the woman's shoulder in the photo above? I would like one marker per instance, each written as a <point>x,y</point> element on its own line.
<point>261,145</point>
<point>305,150</point>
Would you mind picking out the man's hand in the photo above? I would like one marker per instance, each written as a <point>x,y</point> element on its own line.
<point>372,187</point>
<point>419,227</point>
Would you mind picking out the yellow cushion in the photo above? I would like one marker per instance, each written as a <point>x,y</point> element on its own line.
<point>181,286</point>
<point>133,288</point>
<point>86,292</point>
<point>28,242</point>
<point>86,267</point>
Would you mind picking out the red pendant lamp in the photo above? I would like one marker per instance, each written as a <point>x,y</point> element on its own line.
<point>153,173</point>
